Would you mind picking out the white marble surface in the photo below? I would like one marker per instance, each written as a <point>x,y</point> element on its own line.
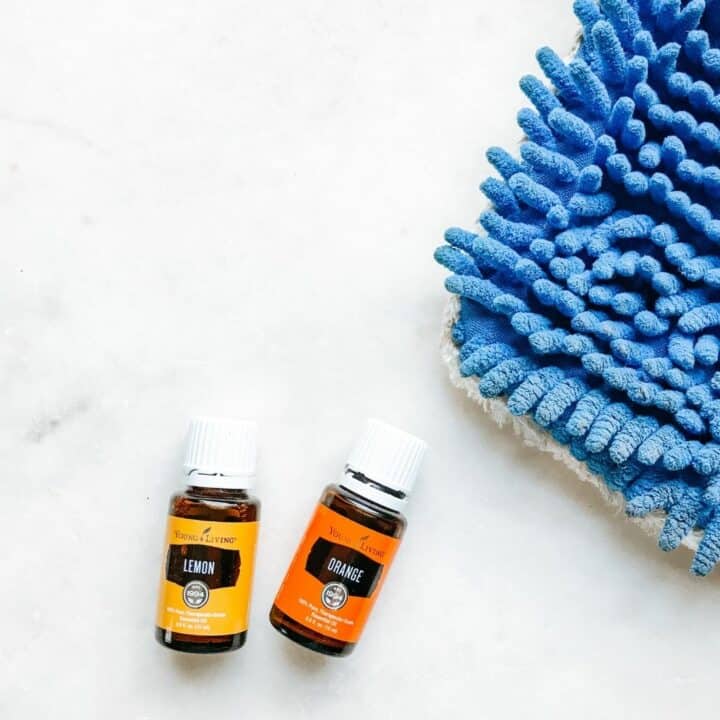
<point>231,208</point>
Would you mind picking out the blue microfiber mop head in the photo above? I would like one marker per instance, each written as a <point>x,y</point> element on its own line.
<point>591,301</point>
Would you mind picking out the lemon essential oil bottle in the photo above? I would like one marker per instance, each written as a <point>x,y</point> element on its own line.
<point>212,529</point>
<point>342,561</point>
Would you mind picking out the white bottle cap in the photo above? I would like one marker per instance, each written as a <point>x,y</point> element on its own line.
<point>221,453</point>
<point>386,456</point>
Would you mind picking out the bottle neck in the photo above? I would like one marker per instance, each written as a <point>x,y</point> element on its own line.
<point>216,495</point>
<point>373,491</point>
<point>219,481</point>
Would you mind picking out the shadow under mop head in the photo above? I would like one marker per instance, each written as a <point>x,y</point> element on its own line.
<point>590,300</point>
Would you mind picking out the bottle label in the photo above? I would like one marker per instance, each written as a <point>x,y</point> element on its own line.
<point>207,578</point>
<point>336,575</point>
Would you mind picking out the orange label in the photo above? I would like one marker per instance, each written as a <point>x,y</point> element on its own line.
<point>336,575</point>
<point>207,579</point>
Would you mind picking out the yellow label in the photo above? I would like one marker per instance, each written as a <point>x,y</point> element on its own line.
<point>207,578</point>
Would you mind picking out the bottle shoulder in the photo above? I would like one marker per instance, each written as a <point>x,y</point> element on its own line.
<point>363,511</point>
<point>195,503</point>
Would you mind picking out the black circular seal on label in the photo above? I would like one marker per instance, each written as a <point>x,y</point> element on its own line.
<point>196,594</point>
<point>334,595</point>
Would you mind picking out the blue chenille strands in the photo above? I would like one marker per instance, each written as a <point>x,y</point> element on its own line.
<point>590,296</point>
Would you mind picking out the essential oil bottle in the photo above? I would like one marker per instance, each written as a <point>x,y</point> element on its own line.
<point>210,541</point>
<point>343,559</point>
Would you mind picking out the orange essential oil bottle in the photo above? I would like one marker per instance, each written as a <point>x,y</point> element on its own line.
<point>342,561</point>
<point>212,529</point>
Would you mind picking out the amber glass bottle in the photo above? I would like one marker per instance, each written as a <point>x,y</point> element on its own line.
<point>211,534</point>
<point>342,561</point>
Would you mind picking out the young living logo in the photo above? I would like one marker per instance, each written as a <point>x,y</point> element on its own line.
<point>205,537</point>
<point>364,546</point>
